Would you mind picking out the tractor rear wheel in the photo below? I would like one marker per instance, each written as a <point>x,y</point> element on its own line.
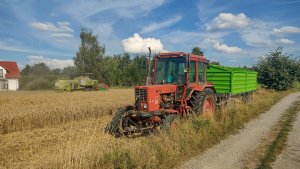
<point>204,103</point>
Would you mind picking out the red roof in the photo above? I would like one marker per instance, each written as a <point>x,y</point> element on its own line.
<point>12,70</point>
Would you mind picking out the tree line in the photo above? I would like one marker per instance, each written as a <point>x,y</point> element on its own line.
<point>116,70</point>
<point>276,70</point>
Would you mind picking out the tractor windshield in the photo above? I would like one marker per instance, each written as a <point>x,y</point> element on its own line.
<point>170,70</point>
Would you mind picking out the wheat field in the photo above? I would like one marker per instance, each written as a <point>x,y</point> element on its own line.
<point>46,129</point>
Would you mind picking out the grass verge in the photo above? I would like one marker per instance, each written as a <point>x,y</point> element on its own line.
<point>284,126</point>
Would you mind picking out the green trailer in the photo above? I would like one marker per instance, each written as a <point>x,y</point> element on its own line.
<point>232,81</point>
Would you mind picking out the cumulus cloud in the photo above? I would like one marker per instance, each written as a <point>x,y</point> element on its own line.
<point>224,48</point>
<point>155,26</point>
<point>287,29</point>
<point>286,41</point>
<point>228,21</point>
<point>137,44</point>
<point>47,26</point>
<point>52,63</point>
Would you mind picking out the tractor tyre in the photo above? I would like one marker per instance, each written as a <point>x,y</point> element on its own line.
<point>203,103</point>
<point>171,121</point>
<point>115,127</point>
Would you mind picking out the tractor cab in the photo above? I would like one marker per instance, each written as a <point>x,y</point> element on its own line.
<point>175,77</point>
<point>179,68</point>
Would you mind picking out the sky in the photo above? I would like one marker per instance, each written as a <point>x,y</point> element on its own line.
<point>233,32</point>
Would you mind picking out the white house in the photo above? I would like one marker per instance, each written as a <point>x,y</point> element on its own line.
<point>9,76</point>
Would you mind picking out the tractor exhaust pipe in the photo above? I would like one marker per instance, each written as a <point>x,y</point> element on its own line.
<point>148,81</point>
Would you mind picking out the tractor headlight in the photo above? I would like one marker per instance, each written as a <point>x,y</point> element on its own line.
<point>145,106</point>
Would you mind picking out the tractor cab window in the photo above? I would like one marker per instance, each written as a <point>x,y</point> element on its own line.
<point>201,72</point>
<point>170,70</point>
<point>192,71</point>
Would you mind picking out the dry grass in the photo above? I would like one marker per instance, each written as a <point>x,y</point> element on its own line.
<point>69,131</point>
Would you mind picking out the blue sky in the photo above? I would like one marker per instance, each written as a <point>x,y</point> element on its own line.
<point>234,32</point>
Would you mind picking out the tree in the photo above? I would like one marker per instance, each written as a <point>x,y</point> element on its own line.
<point>27,70</point>
<point>277,70</point>
<point>38,76</point>
<point>197,51</point>
<point>56,71</point>
<point>215,63</point>
<point>40,69</point>
<point>70,72</point>
<point>298,68</point>
<point>90,57</point>
<point>138,70</point>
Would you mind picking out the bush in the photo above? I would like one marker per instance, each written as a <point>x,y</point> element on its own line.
<point>276,70</point>
<point>32,82</point>
<point>298,70</point>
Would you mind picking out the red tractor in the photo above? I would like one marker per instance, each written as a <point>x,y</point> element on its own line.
<point>177,88</point>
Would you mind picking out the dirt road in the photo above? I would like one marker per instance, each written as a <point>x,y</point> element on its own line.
<point>290,157</point>
<point>231,152</point>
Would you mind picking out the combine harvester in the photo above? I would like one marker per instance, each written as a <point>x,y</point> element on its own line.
<point>181,85</point>
<point>79,83</point>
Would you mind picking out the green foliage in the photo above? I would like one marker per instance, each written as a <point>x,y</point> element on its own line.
<point>277,70</point>
<point>26,70</point>
<point>298,70</point>
<point>215,63</point>
<point>70,72</point>
<point>41,77</point>
<point>197,51</point>
<point>38,84</point>
<point>90,57</point>
<point>121,70</point>
<point>40,69</point>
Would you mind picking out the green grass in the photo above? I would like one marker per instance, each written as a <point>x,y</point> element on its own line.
<point>276,147</point>
<point>297,86</point>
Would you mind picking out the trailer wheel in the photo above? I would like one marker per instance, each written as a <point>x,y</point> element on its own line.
<point>204,103</point>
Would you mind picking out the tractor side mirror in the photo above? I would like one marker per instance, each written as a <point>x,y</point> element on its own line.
<point>207,64</point>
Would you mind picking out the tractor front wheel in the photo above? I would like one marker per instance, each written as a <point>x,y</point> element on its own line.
<point>171,121</point>
<point>116,127</point>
